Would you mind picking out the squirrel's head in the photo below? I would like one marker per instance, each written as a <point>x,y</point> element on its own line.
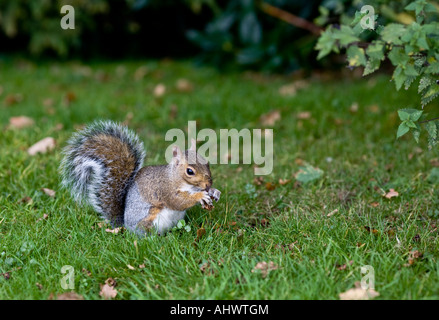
<point>192,167</point>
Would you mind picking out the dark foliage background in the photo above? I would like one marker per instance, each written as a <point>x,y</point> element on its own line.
<point>226,34</point>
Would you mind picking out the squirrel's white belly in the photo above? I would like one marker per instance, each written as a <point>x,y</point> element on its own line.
<point>167,219</point>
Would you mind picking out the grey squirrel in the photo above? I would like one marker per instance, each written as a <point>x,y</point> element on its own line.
<point>102,166</point>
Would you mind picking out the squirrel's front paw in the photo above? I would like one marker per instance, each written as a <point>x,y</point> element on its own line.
<point>214,194</point>
<point>206,201</point>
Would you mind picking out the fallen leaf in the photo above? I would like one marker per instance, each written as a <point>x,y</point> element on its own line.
<point>368,229</point>
<point>70,296</point>
<point>258,180</point>
<point>131,267</point>
<point>265,268</point>
<point>141,266</point>
<point>374,204</point>
<point>11,99</point>
<point>283,182</point>
<point>308,173</point>
<point>343,266</point>
<point>39,286</point>
<point>354,107</point>
<point>270,118</point>
<point>140,73</point>
<point>6,275</point>
<point>26,200</point>
<point>292,88</point>
<point>42,146</point>
<point>108,292</point>
<point>270,186</point>
<point>115,230</point>
<point>49,192</point>
<point>200,233</point>
<point>392,193</point>
<point>184,85</point>
<point>159,90</point>
<point>358,294</point>
<point>88,273</point>
<point>332,213</point>
<point>304,115</point>
<point>21,122</point>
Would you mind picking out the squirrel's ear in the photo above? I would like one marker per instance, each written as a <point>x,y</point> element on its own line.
<point>193,145</point>
<point>176,154</point>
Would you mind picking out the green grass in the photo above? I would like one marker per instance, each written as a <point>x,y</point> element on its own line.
<point>357,151</point>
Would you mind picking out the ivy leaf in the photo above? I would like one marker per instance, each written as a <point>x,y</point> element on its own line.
<point>402,129</point>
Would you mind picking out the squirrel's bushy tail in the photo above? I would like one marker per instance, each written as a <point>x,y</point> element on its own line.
<point>100,163</point>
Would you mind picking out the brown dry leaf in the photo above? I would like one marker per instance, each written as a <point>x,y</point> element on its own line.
<point>374,108</point>
<point>173,112</point>
<point>140,73</point>
<point>142,266</point>
<point>111,282</point>
<point>344,266</point>
<point>304,115</point>
<point>392,193</point>
<point>115,230</point>
<point>184,85</point>
<point>42,146</point>
<point>159,90</point>
<point>374,204</point>
<point>11,99</point>
<point>48,102</point>
<point>69,97</point>
<point>207,268</point>
<point>49,192</point>
<point>299,161</point>
<point>354,107</point>
<point>26,200</point>
<point>39,286</point>
<point>200,232</point>
<point>292,88</point>
<point>414,255</point>
<point>368,229</point>
<point>358,294</point>
<point>283,182</point>
<point>108,292</point>
<point>21,122</point>
<point>258,180</point>
<point>270,118</point>
<point>434,162</point>
<point>69,296</point>
<point>270,186</point>
<point>87,272</point>
<point>265,267</point>
<point>6,275</point>
<point>332,213</point>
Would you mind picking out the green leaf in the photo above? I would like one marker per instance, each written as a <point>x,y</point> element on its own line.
<point>308,173</point>
<point>376,50</point>
<point>345,35</point>
<point>403,115</point>
<point>398,57</point>
<point>431,129</point>
<point>356,56</point>
<point>402,130</point>
<point>416,133</point>
<point>326,43</point>
<point>392,33</point>
<point>399,77</point>
<point>250,29</point>
<point>371,66</point>
<point>430,94</point>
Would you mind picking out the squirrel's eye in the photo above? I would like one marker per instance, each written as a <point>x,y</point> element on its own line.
<point>190,172</point>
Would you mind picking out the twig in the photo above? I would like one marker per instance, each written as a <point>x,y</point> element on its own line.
<point>429,120</point>
<point>290,18</point>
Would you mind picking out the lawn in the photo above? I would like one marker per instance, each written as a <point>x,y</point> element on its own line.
<point>317,235</point>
